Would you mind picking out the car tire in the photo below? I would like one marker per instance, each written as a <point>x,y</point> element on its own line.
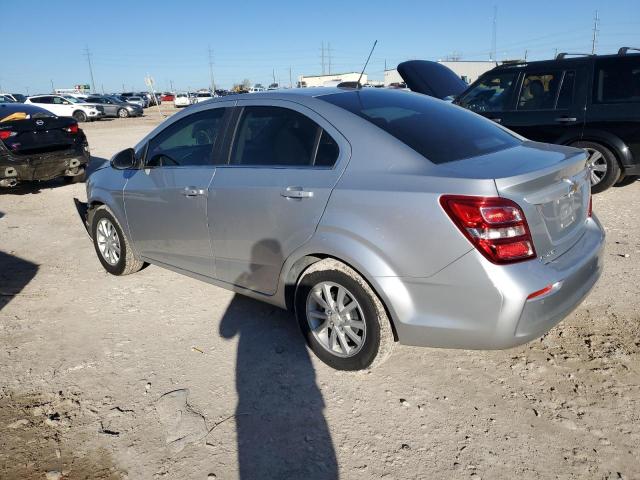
<point>105,227</point>
<point>79,116</point>
<point>605,169</point>
<point>123,113</point>
<point>625,180</point>
<point>365,322</point>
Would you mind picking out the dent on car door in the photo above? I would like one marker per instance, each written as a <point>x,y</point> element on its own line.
<point>267,201</point>
<point>166,201</point>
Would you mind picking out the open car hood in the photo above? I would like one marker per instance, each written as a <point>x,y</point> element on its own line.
<point>431,78</point>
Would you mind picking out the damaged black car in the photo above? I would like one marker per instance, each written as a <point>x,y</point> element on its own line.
<point>36,145</point>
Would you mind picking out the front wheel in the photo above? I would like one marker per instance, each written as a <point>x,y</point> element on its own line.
<point>123,113</point>
<point>80,116</point>
<point>602,164</point>
<point>342,319</point>
<point>111,245</point>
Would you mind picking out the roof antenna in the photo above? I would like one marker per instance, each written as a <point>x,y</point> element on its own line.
<point>365,64</point>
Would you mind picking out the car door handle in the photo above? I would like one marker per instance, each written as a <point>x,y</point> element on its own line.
<point>497,120</point>
<point>566,119</point>
<point>192,191</point>
<point>296,192</point>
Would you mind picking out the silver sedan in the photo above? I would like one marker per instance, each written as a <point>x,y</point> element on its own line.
<point>375,215</point>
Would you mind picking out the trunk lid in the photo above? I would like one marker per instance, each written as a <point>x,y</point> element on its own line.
<point>549,182</point>
<point>431,78</point>
<point>40,134</point>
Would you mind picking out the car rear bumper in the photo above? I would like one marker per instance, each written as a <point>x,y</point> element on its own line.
<point>43,166</point>
<point>475,304</point>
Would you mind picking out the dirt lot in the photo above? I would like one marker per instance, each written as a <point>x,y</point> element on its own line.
<point>156,375</point>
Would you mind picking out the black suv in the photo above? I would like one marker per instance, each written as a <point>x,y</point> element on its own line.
<point>589,101</point>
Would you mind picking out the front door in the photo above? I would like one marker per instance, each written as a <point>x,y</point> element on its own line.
<point>550,105</point>
<point>267,201</point>
<point>166,201</point>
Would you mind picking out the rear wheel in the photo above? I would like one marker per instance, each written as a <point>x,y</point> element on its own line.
<point>79,116</point>
<point>123,113</point>
<point>603,165</point>
<point>111,245</point>
<point>342,319</point>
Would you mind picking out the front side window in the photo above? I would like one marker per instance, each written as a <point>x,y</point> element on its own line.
<point>490,94</point>
<point>539,91</point>
<point>59,101</point>
<point>187,142</point>
<point>435,129</point>
<point>275,136</point>
<point>617,80</point>
<point>565,98</point>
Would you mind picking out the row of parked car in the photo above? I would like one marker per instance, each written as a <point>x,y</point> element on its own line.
<point>83,107</point>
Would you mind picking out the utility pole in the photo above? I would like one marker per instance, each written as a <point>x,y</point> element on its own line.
<point>290,82</point>
<point>329,56</point>
<point>493,34</point>
<point>87,53</point>
<point>213,83</point>
<point>555,52</point>
<point>594,40</point>
<point>526,54</point>
<point>171,83</point>
<point>322,58</point>
<point>53,90</point>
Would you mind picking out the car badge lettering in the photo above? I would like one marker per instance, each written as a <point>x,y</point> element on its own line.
<point>39,122</point>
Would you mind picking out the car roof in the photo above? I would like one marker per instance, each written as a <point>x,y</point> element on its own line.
<point>285,94</point>
<point>9,108</point>
<point>569,60</point>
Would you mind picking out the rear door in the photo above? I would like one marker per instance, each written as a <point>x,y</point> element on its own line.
<point>284,160</point>
<point>550,104</point>
<point>166,201</point>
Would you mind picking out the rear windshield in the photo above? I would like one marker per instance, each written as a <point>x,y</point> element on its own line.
<point>435,129</point>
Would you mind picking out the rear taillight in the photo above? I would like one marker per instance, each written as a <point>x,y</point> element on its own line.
<point>72,128</point>
<point>4,134</point>
<point>495,226</point>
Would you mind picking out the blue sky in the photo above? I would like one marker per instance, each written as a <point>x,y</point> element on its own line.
<point>169,39</point>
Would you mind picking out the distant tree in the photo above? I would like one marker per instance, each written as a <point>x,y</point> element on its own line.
<point>246,84</point>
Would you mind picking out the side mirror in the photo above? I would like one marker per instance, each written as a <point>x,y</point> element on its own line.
<point>125,160</point>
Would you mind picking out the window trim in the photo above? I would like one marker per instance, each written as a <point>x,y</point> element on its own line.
<point>215,147</point>
<point>233,133</point>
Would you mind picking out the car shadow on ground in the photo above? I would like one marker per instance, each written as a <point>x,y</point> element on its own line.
<point>280,423</point>
<point>30,188</point>
<point>15,274</point>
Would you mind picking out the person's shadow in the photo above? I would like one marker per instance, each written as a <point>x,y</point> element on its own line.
<point>15,274</point>
<point>281,429</point>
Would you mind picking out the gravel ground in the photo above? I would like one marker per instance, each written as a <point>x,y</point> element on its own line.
<point>156,375</point>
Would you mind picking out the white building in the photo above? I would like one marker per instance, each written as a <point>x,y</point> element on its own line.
<point>331,80</point>
<point>468,71</point>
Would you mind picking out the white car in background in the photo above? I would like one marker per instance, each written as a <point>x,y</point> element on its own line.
<point>202,96</point>
<point>62,106</point>
<point>182,99</point>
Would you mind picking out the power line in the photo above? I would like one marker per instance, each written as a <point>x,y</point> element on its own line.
<point>493,33</point>
<point>87,53</point>
<point>213,83</point>
<point>594,39</point>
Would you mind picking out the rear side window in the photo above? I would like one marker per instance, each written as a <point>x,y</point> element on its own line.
<point>490,94</point>
<point>539,91</point>
<point>276,136</point>
<point>187,142</point>
<point>617,80</point>
<point>42,100</point>
<point>437,130</point>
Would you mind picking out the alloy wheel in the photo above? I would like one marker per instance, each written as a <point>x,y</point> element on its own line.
<point>108,241</point>
<point>597,165</point>
<point>336,319</point>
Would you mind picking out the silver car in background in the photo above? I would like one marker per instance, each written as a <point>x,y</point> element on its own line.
<point>376,215</point>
